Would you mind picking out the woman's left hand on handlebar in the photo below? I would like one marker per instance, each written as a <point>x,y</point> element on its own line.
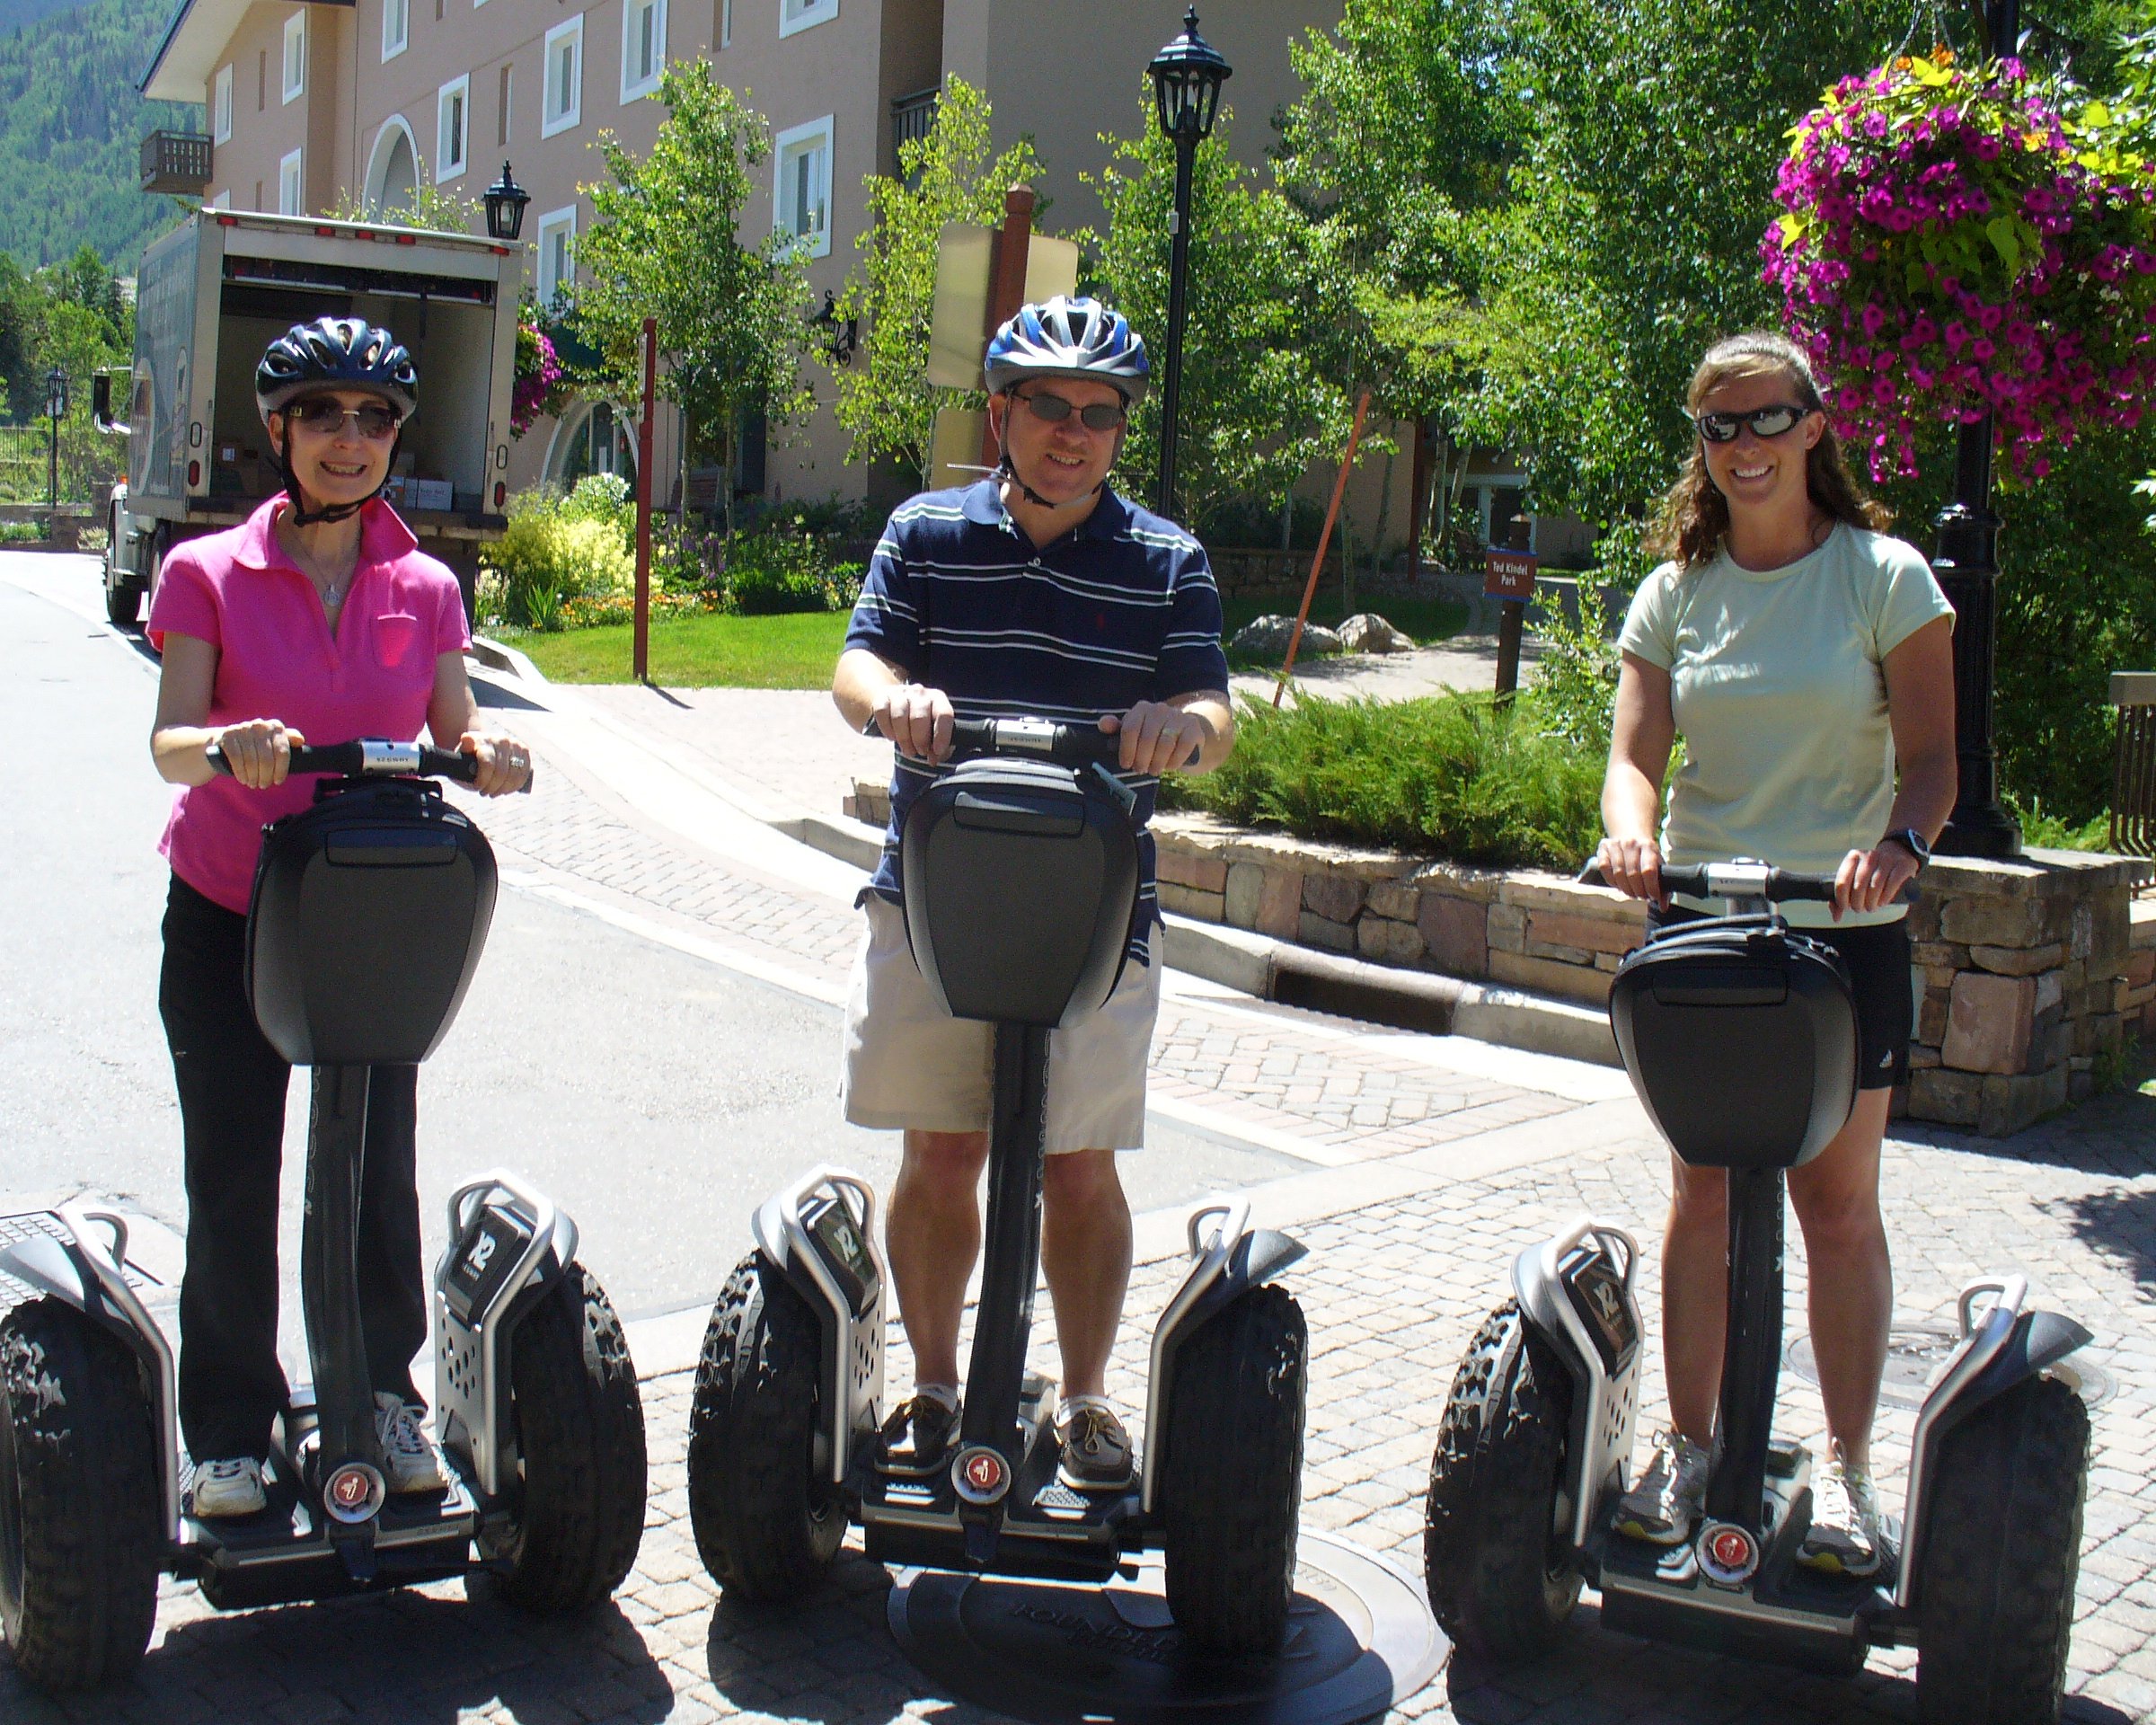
<point>1872,880</point>
<point>1156,737</point>
<point>504,763</point>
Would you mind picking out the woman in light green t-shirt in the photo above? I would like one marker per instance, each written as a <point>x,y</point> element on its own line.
<point>1803,655</point>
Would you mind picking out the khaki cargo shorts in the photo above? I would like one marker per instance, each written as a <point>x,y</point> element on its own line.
<point>909,1063</point>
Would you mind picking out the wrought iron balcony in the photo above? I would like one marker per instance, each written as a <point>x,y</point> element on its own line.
<point>911,118</point>
<point>176,161</point>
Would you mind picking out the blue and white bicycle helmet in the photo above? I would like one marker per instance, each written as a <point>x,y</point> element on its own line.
<point>1068,338</point>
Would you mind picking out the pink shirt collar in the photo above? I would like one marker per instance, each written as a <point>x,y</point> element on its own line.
<point>384,538</point>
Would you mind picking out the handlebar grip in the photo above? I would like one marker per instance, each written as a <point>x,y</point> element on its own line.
<point>1782,885</point>
<point>367,759</point>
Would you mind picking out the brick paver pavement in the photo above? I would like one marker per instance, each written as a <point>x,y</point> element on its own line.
<point>1453,1174</point>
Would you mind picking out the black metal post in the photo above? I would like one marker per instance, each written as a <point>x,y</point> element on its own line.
<point>1172,364</point>
<point>52,471</point>
<point>1752,1349</point>
<point>1003,1325</point>
<point>1967,566</point>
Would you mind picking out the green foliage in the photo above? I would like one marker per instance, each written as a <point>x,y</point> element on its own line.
<point>1453,774</point>
<point>73,315</point>
<point>71,127</point>
<point>437,209</point>
<point>885,400</point>
<point>1266,298</point>
<point>22,533</point>
<point>667,244</point>
<point>558,548</point>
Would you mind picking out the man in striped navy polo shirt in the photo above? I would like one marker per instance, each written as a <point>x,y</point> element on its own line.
<point>1038,592</point>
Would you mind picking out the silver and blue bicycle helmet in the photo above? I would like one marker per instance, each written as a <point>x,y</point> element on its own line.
<point>329,354</point>
<point>1068,338</point>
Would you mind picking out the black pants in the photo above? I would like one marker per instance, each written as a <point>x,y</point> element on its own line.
<point>232,1110</point>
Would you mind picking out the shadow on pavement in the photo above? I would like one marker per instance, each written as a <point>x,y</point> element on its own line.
<point>412,1657</point>
<point>830,1658</point>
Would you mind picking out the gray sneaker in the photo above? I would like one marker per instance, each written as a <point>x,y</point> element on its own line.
<point>1843,1538</point>
<point>408,1459</point>
<point>1671,1497</point>
<point>228,1487</point>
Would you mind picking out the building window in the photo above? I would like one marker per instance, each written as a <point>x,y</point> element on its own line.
<point>396,27</point>
<point>557,255</point>
<point>261,80</point>
<point>220,107</point>
<point>726,23</point>
<point>452,105</point>
<point>501,122</point>
<point>801,14</point>
<point>296,57</point>
<point>802,188</point>
<point>564,62</point>
<point>291,187</point>
<point>643,46</point>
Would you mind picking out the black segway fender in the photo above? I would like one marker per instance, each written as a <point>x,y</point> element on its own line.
<point>2004,1346</point>
<point>820,1234</point>
<point>1576,1290</point>
<point>81,1272</point>
<point>1236,1259</point>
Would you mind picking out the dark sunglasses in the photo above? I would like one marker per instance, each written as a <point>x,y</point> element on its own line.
<point>1765,422</point>
<point>1053,410</point>
<point>321,413</point>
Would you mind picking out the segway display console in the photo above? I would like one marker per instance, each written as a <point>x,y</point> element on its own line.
<point>369,915</point>
<point>1021,874</point>
<point>1740,1035</point>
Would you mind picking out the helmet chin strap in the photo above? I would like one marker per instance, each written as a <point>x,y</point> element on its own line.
<point>303,517</point>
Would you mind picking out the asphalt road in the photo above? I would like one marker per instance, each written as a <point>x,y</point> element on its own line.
<point>658,1096</point>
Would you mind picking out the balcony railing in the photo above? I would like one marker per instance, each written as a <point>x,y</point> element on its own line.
<point>911,118</point>
<point>177,161</point>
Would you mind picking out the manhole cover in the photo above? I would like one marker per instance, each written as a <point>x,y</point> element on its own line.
<point>1917,1348</point>
<point>1360,1637</point>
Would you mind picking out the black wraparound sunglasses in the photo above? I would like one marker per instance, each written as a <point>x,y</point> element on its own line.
<point>1765,422</point>
<point>1053,410</point>
<point>322,414</point>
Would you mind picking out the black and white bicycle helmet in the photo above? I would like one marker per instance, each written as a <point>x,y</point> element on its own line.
<point>336,353</point>
<point>333,353</point>
<point>1068,338</point>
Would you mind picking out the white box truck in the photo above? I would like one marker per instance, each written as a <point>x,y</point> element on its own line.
<point>214,293</point>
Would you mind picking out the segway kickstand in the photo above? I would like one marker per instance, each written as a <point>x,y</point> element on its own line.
<point>348,1465</point>
<point>1010,1265</point>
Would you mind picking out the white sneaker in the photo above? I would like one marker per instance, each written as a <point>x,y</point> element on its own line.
<point>228,1487</point>
<point>1671,1497</point>
<point>1843,1538</point>
<point>407,1457</point>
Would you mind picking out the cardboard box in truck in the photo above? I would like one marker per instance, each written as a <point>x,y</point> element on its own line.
<point>214,293</point>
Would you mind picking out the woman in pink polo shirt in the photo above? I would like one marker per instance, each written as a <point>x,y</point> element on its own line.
<point>318,619</point>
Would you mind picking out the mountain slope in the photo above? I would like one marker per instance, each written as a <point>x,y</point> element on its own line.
<point>71,130</point>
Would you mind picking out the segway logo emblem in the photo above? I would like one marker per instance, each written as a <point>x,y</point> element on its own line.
<point>980,1476</point>
<point>1728,1554</point>
<point>354,1493</point>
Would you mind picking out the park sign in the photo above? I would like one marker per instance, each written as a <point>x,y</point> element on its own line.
<point>1508,574</point>
<point>959,316</point>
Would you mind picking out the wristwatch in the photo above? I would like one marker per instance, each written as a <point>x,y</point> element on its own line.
<point>1912,841</point>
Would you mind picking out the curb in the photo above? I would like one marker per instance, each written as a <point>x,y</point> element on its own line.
<point>496,657</point>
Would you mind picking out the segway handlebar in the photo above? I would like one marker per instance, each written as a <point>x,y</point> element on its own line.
<point>1744,880</point>
<point>374,757</point>
<point>1038,740</point>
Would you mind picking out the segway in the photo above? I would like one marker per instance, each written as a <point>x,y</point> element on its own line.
<point>1021,876</point>
<point>1740,1035</point>
<point>368,913</point>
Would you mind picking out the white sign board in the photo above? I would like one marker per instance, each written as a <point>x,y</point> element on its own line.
<point>958,314</point>
<point>954,453</point>
<point>1051,269</point>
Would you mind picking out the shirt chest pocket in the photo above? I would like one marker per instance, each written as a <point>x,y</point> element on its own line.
<point>400,647</point>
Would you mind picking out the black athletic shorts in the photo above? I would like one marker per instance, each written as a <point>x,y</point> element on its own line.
<point>1878,956</point>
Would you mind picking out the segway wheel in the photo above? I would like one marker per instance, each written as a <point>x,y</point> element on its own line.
<point>80,1501</point>
<point>1500,1579</point>
<point>579,1425</point>
<point>2002,1544</point>
<point>766,1528</point>
<point>1232,1478</point>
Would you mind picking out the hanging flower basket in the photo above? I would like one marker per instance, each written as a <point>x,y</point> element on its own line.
<point>542,384</point>
<point>1952,247</point>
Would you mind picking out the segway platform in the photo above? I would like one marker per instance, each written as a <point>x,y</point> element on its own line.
<point>1360,1637</point>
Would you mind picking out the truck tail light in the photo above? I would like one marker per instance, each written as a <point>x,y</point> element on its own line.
<point>501,491</point>
<point>194,474</point>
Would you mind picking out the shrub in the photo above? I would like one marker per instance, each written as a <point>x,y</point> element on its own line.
<point>1453,774</point>
<point>556,549</point>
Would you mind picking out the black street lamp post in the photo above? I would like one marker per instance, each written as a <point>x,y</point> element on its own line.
<point>56,410</point>
<point>505,200</point>
<point>1967,566</point>
<point>1187,75</point>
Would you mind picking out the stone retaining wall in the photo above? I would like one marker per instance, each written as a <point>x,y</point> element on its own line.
<point>2031,977</point>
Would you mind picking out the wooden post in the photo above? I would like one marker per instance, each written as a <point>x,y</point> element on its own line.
<point>1512,621</point>
<point>641,669</point>
<point>1007,284</point>
<point>1332,514</point>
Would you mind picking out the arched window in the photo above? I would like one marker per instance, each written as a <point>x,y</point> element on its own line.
<point>594,439</point>
<point>393,170</point>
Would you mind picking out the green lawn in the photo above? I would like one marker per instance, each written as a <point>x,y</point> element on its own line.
<point>794,652</point>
